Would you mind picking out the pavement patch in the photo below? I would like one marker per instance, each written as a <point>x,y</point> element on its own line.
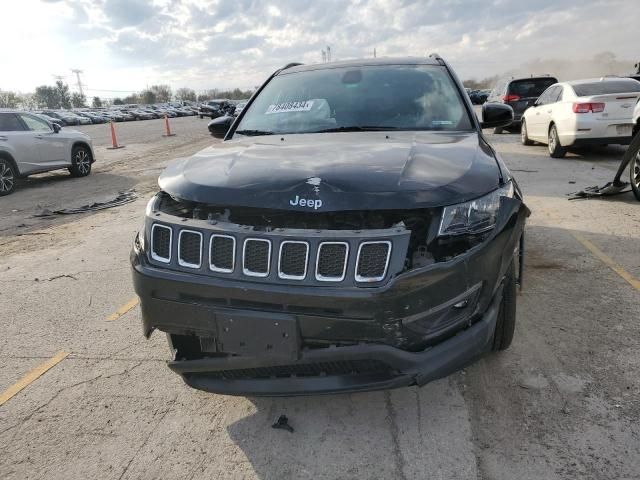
<point>31,377</point>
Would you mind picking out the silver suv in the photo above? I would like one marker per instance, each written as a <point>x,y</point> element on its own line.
<point>29,144</point>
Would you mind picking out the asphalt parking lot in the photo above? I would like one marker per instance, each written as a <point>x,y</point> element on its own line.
<point>562,403</point>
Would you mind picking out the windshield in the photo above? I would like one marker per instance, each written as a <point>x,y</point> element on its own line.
<point>531,87</point>
<point>387,97</point>
<point>605,88</point>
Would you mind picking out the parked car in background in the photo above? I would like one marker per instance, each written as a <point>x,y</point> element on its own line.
<point>519,94</point>
<point>29,144</point>
<point>95,118</point>
<point>215,108</point>
<point>49,119</point>
<point>63,116</point>
<point>238,108</point>
<point>582,112</point>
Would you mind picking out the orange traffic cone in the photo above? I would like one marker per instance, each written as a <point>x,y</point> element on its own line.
<point>167,128</point>
<point>114,140</point>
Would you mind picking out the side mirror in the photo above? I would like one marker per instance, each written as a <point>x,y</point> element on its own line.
<point>496,115</point>
<point>56,127</point>
<point>220,126</point>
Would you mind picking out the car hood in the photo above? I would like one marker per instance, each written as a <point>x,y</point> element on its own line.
<point>337,171</point>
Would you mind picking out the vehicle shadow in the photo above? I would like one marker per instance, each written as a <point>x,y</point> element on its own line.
<point>388,434</point>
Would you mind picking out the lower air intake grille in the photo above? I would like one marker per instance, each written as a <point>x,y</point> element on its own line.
<point>332,261</point>
<point>293,260</point>
<point>190,249</point>
<point>257,255</point>
<point>342,367</point>
<point>222,253</point>
<point>161,243</point>
<point>373,258</point>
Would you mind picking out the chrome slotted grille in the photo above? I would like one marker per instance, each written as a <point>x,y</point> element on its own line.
<point>331,264</point>
<point>222,253</point>
<point>294,257</point>
<point>190,249</point>
<point>161,243</point>
<point>372,262</point>
<point>256,257</point>
<point>274,256</point>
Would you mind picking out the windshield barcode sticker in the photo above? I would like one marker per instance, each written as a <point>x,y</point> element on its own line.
<point>290,107</point>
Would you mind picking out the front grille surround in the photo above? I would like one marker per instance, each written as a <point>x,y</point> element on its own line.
<point>288,276</point>
<point>181,261</point>
<point>216,268</point>
<point>154,247</point>
<point>377,278</point>
<point>229,259</point>
<point>332,278</point>
<point>248,271</point>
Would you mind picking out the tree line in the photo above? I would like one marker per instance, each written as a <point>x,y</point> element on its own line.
<point>59,96</point>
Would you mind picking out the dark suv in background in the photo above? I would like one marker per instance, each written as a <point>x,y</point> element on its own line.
<point>519,94</point>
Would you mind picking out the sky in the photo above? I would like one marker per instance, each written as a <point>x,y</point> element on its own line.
<point>123,46</point>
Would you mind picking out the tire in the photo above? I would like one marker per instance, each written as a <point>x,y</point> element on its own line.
<point>80,162</point>
<point>498,130</point>
<point>201,117</point>
<point>506,323</point>
<point>524,135</point>
<point>634,175</point>
<point>555,149</point>
<point>8,175</point>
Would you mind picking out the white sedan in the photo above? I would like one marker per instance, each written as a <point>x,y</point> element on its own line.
<point>581,113</point>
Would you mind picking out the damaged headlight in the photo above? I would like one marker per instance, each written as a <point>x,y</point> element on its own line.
<point>475,216</point>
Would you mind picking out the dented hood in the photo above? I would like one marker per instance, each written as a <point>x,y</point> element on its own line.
<point>337,171</point>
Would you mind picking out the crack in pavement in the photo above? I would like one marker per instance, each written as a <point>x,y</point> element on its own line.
<point>146,440</point>
<point>63,389</point>
<point>393,427</point>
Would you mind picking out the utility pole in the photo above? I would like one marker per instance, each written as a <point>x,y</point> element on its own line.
<point>328,54</point>
<point>78,72</point>
<point>324,56</point>
<point>59,78</point>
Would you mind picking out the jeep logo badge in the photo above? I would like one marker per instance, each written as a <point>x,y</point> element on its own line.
<point>306,202</point>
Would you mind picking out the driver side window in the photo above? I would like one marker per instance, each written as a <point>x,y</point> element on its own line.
<point>35,124</point>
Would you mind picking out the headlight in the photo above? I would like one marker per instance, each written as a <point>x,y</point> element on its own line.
<point>475,216</point>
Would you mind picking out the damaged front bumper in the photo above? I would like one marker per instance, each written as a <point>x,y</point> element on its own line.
<point>290,340</point>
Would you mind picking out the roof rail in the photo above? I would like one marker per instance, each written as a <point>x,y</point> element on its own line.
<point>437,58</point>
<point>292,64</point>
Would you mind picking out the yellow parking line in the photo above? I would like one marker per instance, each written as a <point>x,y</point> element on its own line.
<point>31,377</point>
<point>634,282</point>
<point>123,309</point>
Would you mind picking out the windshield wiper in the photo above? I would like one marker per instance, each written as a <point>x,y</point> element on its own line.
<point>253,133</point>
<point>355,128</point>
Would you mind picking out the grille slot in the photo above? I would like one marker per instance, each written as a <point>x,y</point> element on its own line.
<point>161,243</point>
<point>222,253</point>
<point>190,249</point>
<point>331,262</point>
<point>294,257</point>
<point>373,259</point>
<point>256,257</point>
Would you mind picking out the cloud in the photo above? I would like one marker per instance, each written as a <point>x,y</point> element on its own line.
<point>125,44</point>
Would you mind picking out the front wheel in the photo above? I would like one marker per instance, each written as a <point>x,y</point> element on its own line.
<point>498,130</point>
<point>506,322</point>
<point>634,171</point>
<point>555,149</point>
<point>80,162</point>
<point>8,176</point>
<point>524,135</point>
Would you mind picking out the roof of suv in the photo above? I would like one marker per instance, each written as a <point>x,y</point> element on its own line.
<point>361,62</point>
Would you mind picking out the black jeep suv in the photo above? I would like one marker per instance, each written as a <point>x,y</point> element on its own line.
<point>354,231</point>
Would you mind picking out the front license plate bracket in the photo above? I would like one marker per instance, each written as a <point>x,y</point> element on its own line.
<point>258,335</point>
